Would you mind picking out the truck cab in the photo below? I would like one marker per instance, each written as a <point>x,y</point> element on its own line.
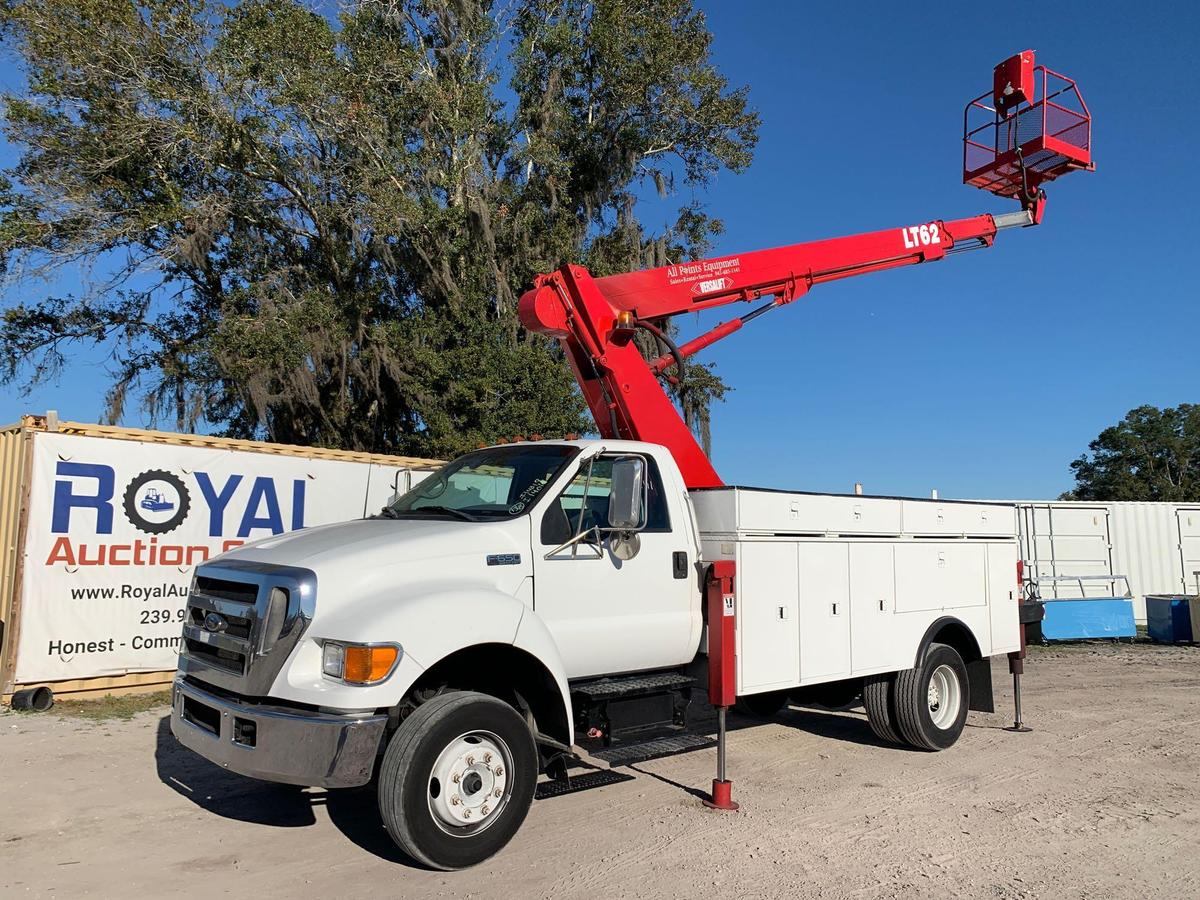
<point>500,576</point>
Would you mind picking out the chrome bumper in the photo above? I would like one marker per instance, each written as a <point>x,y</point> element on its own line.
<point>287,745</point>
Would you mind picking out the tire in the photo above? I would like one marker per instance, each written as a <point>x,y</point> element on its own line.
<point>877,700</point>
<point>761,706</point>
<point>931,700</point>
<point>465,746</point>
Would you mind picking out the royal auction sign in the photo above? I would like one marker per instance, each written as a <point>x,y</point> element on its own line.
<point>116,528</point>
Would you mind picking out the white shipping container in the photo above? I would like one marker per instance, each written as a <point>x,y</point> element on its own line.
<point>1156,545</point>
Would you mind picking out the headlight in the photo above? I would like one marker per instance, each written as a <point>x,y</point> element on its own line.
<point>359,663</point>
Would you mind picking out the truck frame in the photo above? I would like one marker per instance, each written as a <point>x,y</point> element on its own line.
<point>536,601</point>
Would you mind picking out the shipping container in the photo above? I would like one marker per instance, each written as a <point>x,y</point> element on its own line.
<point>101,528</point>
<point>1156,545</point>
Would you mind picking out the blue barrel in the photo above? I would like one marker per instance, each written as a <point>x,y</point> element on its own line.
<point>1168,618</point>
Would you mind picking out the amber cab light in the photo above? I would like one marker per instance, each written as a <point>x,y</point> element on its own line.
<point>366,665</point>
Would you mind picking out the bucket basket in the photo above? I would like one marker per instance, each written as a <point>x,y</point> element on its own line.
<point>1032,127</point>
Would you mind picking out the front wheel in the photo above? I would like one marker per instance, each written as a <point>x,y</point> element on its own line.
<point>931,700</point>
<point>457,780</point>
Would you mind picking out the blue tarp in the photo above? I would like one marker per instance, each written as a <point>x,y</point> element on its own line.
<point>1105,617</point>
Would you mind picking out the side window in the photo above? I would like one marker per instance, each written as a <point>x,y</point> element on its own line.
<point>562,519</point>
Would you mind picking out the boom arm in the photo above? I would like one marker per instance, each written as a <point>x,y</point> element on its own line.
<point>595,318</point>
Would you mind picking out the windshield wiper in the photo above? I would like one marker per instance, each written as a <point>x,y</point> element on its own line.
<point>457,513</point>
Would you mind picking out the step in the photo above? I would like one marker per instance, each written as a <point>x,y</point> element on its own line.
<point>632,686</point>
<point>629,754</point>
<point>576,783</point>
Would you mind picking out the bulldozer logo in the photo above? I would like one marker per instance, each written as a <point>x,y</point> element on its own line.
<point>156,502</point>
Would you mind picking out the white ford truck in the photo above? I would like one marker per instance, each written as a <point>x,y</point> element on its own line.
<point>528,594</point>
<point>535,595</point>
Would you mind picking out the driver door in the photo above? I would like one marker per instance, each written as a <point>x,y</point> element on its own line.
<point>610,614</point>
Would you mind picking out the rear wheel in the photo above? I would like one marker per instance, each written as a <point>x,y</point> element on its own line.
<point>457,780</point>
<point>877,699</point>
<point>931,700</point>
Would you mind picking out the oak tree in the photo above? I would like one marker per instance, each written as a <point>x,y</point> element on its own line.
<point>314,227</point>
<point>1151,454</point>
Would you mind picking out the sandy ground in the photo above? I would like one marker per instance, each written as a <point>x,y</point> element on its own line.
<point>1100,801</point>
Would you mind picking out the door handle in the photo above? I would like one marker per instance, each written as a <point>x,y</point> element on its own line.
<point>679,564</point>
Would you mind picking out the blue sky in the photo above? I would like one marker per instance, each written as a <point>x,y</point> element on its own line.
<point>982,375</point>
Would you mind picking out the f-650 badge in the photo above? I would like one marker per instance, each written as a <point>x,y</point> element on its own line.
<point>921,235</point>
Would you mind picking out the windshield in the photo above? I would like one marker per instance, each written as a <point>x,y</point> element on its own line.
<point>496,483</point>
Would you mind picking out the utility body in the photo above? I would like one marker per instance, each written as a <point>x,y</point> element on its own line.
<point>536,599</point>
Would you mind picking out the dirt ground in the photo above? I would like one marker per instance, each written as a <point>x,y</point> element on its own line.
<point>1099,801</point>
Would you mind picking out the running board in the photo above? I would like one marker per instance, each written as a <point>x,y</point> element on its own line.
<point>630,754</point>
<point>576,783</point>
<point>632,685</point>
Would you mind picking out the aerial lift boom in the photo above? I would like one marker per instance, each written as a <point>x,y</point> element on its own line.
<point>1035,128</point>
<point>1038,129</point>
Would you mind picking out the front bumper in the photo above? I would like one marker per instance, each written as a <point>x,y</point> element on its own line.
<point>292,746</point>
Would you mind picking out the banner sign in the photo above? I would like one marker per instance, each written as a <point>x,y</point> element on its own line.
<point>116,529</point>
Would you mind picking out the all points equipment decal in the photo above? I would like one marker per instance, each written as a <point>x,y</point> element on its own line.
<point>708,275</point>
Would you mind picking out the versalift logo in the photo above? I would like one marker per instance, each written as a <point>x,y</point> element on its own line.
<point>88,500</point>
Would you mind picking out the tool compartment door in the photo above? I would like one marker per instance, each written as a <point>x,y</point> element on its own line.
<point>936,576</point>
<point>768,646</point>
<point>824,611</point>
<point>875,644</point>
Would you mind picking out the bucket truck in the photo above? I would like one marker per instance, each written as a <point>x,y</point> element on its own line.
<point>535,601</point>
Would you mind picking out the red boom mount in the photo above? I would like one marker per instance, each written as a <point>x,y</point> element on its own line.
<point>1034,137</point>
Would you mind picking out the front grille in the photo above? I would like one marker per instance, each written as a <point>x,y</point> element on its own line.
<point>229,660</point>
<point>225,643</point>
<point>223,589</point>
<point>238,626</point>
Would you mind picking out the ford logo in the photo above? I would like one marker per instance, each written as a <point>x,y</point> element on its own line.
<point>215,622</point>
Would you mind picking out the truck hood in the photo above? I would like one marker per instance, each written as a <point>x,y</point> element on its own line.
<point>368,555</point>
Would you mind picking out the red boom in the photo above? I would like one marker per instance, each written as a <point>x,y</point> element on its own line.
<point>595,318</point>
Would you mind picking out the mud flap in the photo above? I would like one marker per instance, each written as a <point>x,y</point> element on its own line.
<point>979,680</point>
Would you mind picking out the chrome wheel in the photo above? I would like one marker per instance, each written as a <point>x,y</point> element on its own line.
<point>944,697</point>
<point>470,783</point>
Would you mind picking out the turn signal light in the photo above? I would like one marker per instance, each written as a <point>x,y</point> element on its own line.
<point>359,663</point>
<point>625,319</point>
<point>366,665</point>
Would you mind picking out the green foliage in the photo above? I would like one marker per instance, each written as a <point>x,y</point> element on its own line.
<point>1151,454</point>
<point>315,230</point>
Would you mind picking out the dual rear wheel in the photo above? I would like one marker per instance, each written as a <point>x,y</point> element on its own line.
<point>924,707</point>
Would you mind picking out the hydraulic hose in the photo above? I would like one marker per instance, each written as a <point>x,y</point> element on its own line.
<point>671,345</point>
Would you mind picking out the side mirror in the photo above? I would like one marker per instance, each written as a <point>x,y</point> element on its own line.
<point>627,499</point>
